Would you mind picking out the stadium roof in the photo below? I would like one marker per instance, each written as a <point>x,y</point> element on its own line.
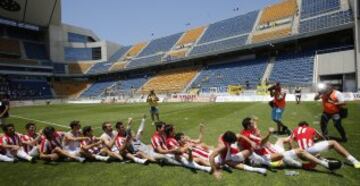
<point>35,12</point>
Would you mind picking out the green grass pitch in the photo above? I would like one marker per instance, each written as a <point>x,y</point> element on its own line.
<point>186,117</point>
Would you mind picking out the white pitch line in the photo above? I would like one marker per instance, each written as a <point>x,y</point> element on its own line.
<point>40,121</point>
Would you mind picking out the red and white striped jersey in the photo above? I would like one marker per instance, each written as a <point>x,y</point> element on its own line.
<point>304,136</point>
<point>2,150</point>
<point>28,138</point>
<point>158,141</point>
<point>254,137</point>
<point>229,148</point>
<point>119,141</point>
<point>47,146</point>
<point>171,143</point>
<point>12,140</point>
<point>92,140</point>
<point>199,152</point>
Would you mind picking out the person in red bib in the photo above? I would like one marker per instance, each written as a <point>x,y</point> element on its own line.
<point>333,102</point>
<point>278,107</point>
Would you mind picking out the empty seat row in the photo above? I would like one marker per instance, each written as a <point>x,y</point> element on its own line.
<point>311,8</point>
<point>278,11</point>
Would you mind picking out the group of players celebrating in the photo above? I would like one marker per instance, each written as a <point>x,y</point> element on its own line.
<point>246,150</point>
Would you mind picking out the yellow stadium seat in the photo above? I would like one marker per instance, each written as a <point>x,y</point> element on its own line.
<point>170,81</point>
<point>276,34</point>
<point>66,89</point>
<point>191,36</point>
<point>18,61</point>
<point>79,68</point>
<point>278,11</point>
<point>9,47</point>
<point>134,51</point>
<point>118,66</point>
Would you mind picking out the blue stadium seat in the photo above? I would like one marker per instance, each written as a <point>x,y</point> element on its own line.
<point>220,45</point>
<point>293,69</point>
<point>105,66</point>
<point>230,27</point>
<point>235,73</point>
<point>146,61</point>
<point>327,21</point>
<point>35,51</point>
<point>160,45</point>
<point>97,88</point>
<point>59,68</point>
<point>316,7</point>
<point>29,89</point>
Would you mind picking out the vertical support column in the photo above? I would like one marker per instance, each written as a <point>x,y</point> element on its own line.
<point>356,9</point>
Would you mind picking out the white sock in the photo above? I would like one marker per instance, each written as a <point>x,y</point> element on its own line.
<point>324,163</point>
<point>80,159</point>
<point>352,159</point>
<point>194,165</point>
<point>22,154</point>
<point>138,160</point>
<point>5,158</point>
<point>253,169</point>
<point>172,161</point>
<point>258,160</point>
<point>141,127</point>
<point>34,152</point>
<point>101,158</point>
<point>291,162</point>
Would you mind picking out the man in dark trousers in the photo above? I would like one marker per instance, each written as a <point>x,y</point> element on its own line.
<point>298,95</point>
<point>333,108</point>
<point>4,108</point>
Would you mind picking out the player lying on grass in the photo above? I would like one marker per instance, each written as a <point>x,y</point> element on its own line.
<point>186,151</point>
<point>226,153</point>
<point>122,142</point>
<point>306,137</point>
<point>51,147</point>
<point>158,141</point>
<point>276,152</point>
<point>199,150</point>
<point>11,145</point>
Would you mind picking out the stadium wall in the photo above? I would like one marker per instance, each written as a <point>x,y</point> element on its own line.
<point>328,63</point>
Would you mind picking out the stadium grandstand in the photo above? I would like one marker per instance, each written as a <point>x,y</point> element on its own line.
<point>52,73</point>
<point>263,46</point>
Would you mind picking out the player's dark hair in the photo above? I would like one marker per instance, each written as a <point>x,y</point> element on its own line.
<point>28,125</point>
<point>86,130</point>
<point>229,137</point>
<point>118,124</point>
<point>48,132</point>
<point>178,136</point>
<point>74,124</point>
<point>6,127</point>
<point>158,125</point>
<point>103,126</point>
<point>303,123</point>
<point>168,129</point>
<point>246,123</point>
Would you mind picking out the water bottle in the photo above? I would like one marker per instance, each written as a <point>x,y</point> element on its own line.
<point>291,173</point>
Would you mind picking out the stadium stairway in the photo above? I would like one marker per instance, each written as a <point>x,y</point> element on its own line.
<point>268,69</point>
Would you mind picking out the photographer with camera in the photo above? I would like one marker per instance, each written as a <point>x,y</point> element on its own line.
<point>334,108</point>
